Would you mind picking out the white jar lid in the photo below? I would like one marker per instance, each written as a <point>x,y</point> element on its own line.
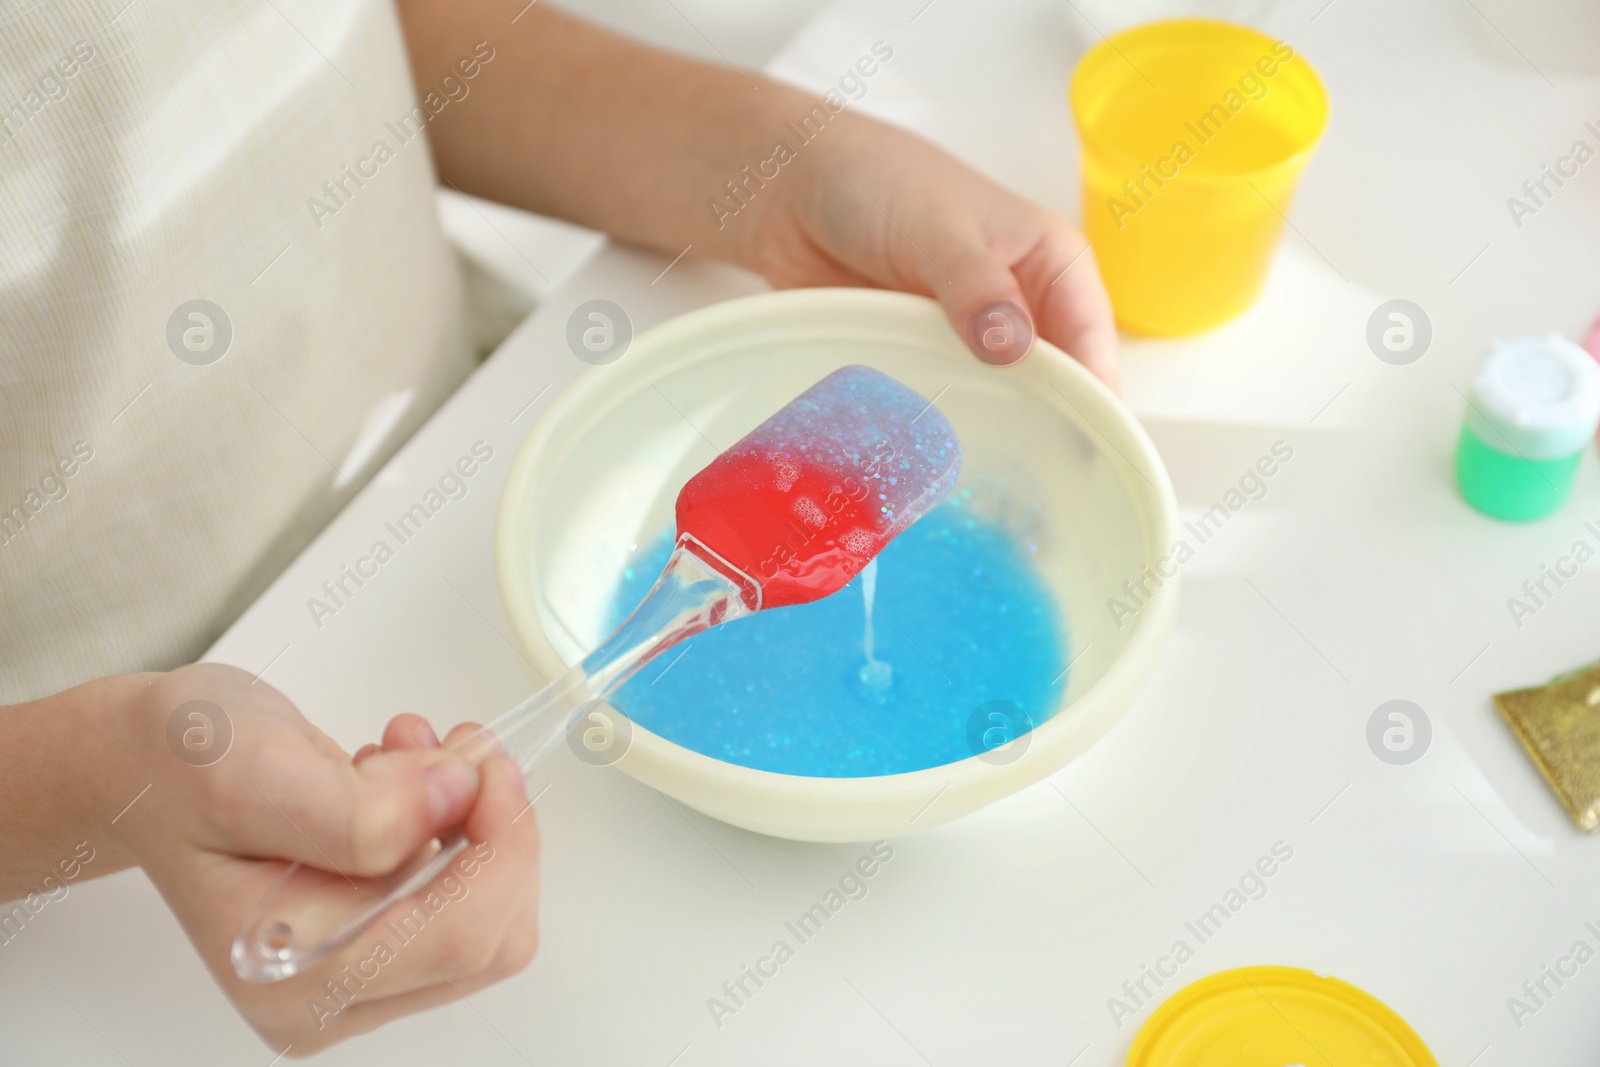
<point>1536,397</point>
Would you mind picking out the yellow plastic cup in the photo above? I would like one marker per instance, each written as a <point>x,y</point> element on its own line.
<point>1194,134</point>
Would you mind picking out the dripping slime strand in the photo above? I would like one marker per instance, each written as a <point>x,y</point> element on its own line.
<point>876,675</point>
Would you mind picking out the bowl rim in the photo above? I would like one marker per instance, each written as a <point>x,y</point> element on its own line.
<point>653,759</point>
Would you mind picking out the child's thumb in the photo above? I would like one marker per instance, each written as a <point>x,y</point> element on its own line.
<point>364,818</point>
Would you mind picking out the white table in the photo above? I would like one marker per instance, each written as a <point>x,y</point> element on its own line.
<point>1360,577</point>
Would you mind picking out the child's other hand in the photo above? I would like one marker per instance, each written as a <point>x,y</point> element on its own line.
<point>215,838</point>
<point>869,204</point>
<point>673,153</point>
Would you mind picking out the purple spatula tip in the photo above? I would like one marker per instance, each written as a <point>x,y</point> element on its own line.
<point>861,422</point>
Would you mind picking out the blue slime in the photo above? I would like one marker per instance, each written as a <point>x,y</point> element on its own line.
<point>961,618</point>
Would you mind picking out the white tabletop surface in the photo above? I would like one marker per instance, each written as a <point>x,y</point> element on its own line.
<point>1440,886</point>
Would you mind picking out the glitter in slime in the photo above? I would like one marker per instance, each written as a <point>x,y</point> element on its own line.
<point>786,516</point>
<point>806,500</point>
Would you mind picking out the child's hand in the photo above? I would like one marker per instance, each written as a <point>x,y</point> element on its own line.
<point>587,125</point>
<point>869,204</point>
<point>214,838</point>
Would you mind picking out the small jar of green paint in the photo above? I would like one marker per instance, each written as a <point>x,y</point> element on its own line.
<point>1533,409</point>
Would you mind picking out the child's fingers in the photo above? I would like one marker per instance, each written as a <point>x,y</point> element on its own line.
<point>403,731</point>
<point>473,741</point>
<point>500,869</point>
<point>360,818</point>
<point>364,817</point>
<point>365,1016</point>
<point>521,942</point>
<point>503,812</point>
<point>409,731</point>
<point>479,918</point>
<point>1063,285</point>
<point>473,925</point>
<point>460,731</point>
<point>979,294</point>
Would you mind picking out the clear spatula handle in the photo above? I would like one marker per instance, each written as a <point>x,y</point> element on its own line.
<point>310,913</point>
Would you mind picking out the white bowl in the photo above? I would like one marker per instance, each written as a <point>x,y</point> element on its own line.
<point>1048,452</point>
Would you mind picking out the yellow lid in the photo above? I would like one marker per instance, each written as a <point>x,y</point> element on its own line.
<point>1276,1017</point>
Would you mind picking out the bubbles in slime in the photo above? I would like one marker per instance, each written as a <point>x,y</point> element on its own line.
<point>808,498</point>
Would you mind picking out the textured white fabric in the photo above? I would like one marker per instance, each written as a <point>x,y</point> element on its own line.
<point>173,150</point>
